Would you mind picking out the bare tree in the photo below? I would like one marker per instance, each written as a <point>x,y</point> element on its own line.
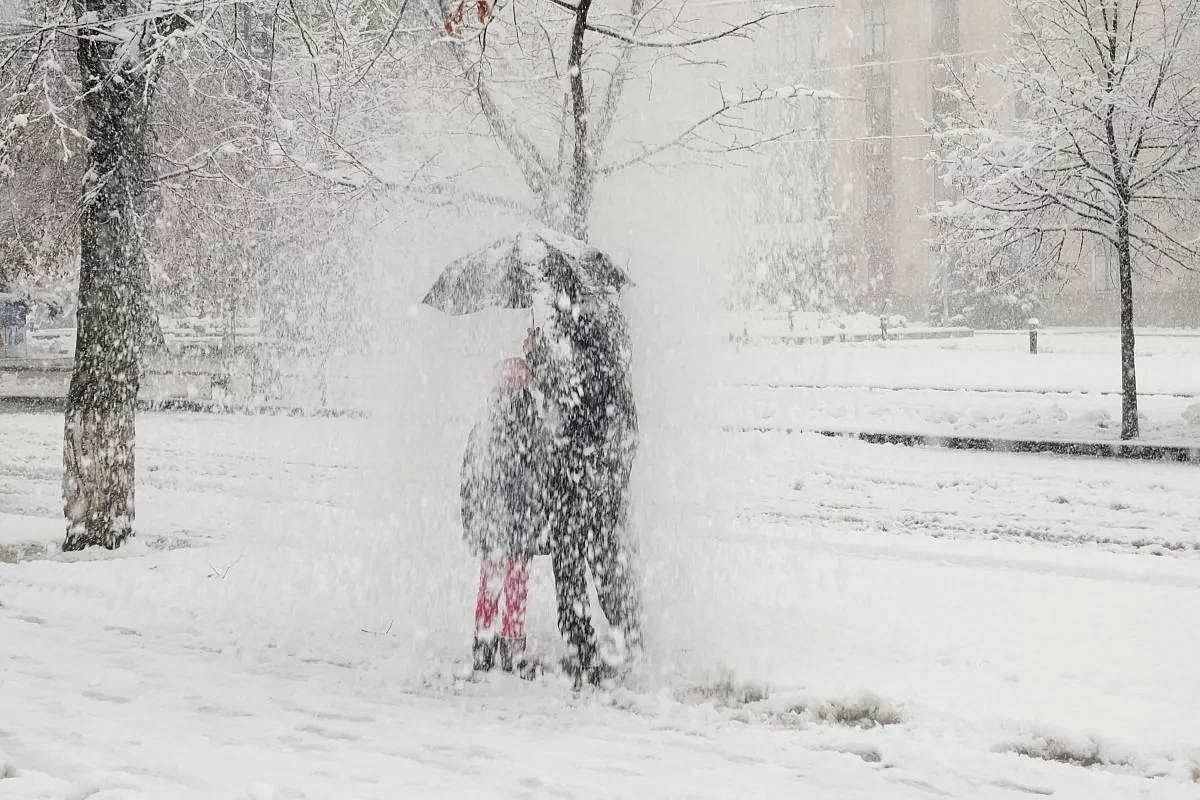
<point>262,153</point>
<point>574,71</point>
<point>90,73</point>
<point>118,55</point>
<point>794,254</point>
<point>85,75</point>
<point>1103,152</point>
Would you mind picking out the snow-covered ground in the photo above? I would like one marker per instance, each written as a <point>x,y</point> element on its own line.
<point>1067,361</point>
<point>291,618</point>
<point>985,385</point>
<point>768,324</point>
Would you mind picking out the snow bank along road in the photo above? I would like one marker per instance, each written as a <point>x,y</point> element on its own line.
<point>287,622</point>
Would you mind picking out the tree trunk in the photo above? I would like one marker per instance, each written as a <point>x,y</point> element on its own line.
<point>579,190</point>
<point>98,464</point>
<point>1129,409</point>
<point>1124,197</point>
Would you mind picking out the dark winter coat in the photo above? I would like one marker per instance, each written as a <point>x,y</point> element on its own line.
<point>582,368</point>
<point>504,479</point>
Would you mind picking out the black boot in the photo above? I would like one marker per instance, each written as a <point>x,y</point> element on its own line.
<point>603,674</point>
<point>483,654</point>
<point>511,653</point>
<point>580,665</point>
<point>573,670</point>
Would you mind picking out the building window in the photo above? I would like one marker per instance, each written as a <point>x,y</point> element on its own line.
<point>874,29</point>
<point>879,108</point>
<point>945,35</point>
<point>879,203</point>
<point>795,42</point>
<point>1020,105</point>
<point>1104,267</point>
<point>944,40</point>
<point>879,183</point>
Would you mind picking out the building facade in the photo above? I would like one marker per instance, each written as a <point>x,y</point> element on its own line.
<point>865,142</point>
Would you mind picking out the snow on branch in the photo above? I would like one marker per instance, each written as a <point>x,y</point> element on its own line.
<point>1105,144</point>
<point>728,108</point>
<point>734,30</point>
<point>532,163</point>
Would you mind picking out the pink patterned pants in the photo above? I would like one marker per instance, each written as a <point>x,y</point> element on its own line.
<point>507,576</point>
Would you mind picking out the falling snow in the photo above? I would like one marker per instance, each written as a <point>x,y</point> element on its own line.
<point>763,443</point>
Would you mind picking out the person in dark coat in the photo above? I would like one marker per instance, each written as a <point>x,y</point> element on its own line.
<point>503,514</point>
<point>581,365</point>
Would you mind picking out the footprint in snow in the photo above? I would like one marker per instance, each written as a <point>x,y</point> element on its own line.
<point>327,733</point>
<point>122,630</point>
<point>336,716</point>
<point>107,698</point>
<point>228,713</point>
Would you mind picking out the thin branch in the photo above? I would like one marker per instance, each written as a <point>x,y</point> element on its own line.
<point>730,31</point>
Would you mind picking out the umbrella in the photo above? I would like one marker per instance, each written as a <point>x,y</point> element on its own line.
<point>509,272</point>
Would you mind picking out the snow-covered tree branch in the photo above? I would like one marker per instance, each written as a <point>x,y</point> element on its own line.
<point>229,128</point>
<point>549,78</point>
<point>1102,152</point>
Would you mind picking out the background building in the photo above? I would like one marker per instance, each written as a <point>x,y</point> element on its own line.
<point>841,200</point>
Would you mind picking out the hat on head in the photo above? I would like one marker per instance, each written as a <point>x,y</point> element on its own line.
<point>513,373</point>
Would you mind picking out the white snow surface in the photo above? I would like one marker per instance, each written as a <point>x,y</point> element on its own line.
<point>292,618</point>
<point>985,385</point>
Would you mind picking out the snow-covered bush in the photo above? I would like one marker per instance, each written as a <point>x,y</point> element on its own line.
<point>979,290</point>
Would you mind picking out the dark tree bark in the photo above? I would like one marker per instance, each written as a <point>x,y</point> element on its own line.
<point>98,442</point>
<point>1124,197</point>
<point>1129,400</point>
<point>583,175</point>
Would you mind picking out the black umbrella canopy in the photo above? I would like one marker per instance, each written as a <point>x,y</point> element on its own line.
<point>509,272</point>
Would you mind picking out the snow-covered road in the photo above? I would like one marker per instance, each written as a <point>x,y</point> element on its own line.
<point>287,623</point>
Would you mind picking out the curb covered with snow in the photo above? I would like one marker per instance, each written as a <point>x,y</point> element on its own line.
<point>847,337</point>
<point>58,404</point>
<point>1144,451</point>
